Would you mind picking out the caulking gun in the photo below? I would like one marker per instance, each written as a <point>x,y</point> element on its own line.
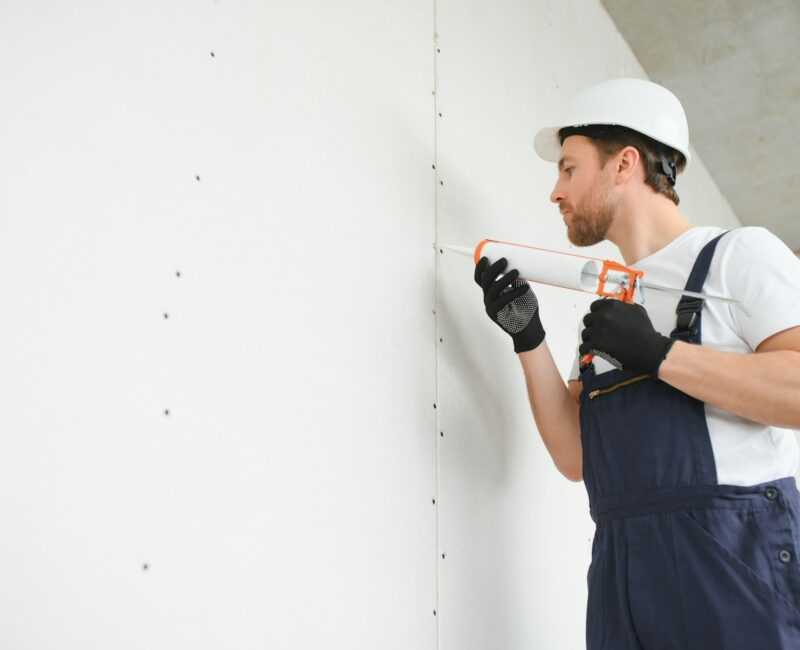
<point>577,272</point>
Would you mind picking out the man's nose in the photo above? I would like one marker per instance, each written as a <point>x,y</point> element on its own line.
<point>557,195</point>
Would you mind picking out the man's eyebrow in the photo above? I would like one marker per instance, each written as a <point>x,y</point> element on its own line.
<point>563,160</point>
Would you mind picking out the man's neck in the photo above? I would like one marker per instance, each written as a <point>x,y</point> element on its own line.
<point>640,235</point>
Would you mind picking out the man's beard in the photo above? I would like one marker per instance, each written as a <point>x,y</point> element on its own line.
<point>586,230</point>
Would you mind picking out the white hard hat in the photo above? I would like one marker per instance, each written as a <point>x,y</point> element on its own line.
<point>637,104</point>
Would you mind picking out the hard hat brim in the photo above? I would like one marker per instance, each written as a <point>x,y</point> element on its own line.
<point>546,143</point>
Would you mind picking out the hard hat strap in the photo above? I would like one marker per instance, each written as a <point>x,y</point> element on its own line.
<point>669,168</point>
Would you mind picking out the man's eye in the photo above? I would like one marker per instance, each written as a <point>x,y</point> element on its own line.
<point>568,170</point>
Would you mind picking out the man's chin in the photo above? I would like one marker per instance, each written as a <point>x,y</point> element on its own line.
<point>571,238</point>
<point>582,243</point>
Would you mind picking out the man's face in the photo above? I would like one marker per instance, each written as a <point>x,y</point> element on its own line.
<point>583,192</point>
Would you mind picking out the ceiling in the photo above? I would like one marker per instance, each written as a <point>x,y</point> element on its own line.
<point>735,66</point>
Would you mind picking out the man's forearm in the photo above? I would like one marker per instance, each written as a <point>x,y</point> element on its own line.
<point>554,410</point>
<point>760,386</point>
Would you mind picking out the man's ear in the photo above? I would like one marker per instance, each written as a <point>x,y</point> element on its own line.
<point>626,161</point>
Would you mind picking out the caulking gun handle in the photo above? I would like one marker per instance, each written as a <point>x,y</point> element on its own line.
<point>586,359</point>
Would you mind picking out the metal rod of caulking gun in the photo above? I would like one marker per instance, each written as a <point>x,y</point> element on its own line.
<point>623,281</point>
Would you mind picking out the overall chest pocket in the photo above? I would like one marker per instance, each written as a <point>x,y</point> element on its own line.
<point>599,392</point>
<point>639,432</point>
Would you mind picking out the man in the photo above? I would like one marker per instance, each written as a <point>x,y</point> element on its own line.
<point>676,424</point>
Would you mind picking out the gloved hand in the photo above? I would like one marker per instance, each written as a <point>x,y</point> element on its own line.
<point>622,334</point>
<point>511,303</point>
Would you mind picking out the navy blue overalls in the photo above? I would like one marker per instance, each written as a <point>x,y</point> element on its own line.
<point>679,561</point>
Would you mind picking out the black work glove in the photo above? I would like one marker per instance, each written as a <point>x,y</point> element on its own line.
<point>511,303</point>
<point>622,334</point>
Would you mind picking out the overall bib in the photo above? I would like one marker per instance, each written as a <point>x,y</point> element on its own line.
<point>679,561</point>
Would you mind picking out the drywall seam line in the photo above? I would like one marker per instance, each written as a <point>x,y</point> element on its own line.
<point>436,313</point>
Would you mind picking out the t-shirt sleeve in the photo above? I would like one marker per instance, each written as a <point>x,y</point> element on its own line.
<point>762,273</point>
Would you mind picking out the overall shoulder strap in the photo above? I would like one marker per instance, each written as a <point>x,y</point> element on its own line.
<point>689,309</point>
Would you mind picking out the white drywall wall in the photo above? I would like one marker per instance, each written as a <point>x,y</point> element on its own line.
<point>246,402</point>
<point>286,501</point>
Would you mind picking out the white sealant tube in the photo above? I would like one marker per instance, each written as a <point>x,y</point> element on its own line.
<point>555,268</point>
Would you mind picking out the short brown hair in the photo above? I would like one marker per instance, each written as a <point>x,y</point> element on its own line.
<point>610,139</point>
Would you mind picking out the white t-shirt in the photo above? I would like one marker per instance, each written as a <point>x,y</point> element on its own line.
<point>755,267</point>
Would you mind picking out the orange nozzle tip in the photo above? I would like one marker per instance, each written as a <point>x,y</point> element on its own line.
<point>478,250</point>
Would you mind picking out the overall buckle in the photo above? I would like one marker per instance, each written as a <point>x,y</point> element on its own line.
<point>688,312</point>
